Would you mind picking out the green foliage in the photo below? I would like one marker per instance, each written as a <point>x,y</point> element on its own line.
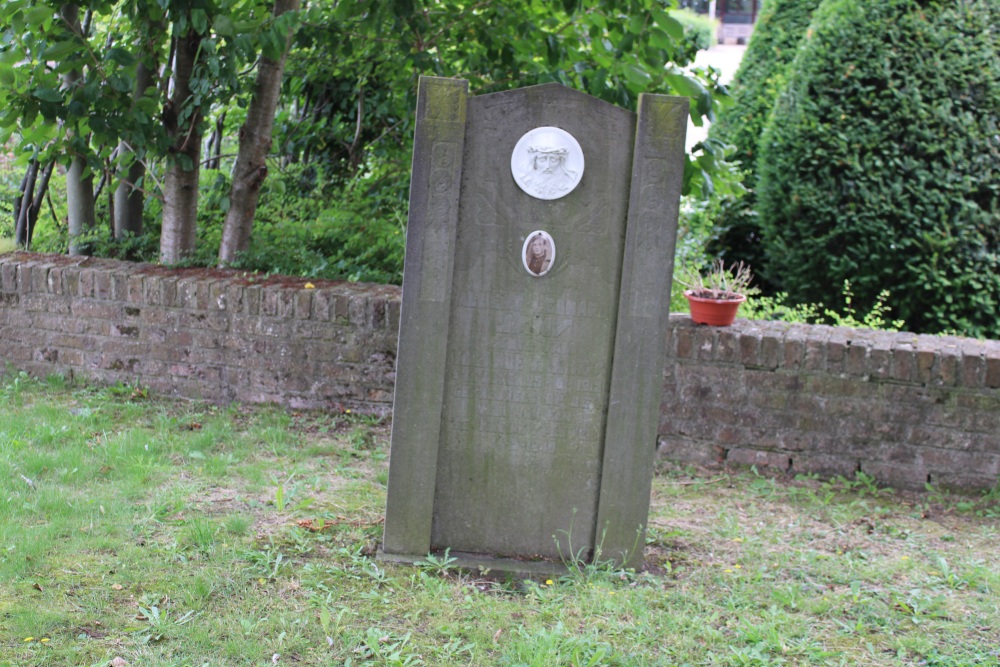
<point>348,109</point>
<point>67,93</point>
<point>355,96</point>
<point>309,226</point>
<point>881,163</point>
<point>694,227</point>
<point>699,28</point>
<point>9,186</point>
<point>761,77</point>
<point>68,87</point>
<point>779,307</point>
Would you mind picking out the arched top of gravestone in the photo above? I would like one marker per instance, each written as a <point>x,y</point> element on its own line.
<point>553,93</point>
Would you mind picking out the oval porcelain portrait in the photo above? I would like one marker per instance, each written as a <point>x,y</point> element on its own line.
<point>547,163</point>
<point>538,253</point>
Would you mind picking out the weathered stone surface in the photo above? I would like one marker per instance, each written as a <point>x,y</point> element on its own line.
<point>425,314</point>
<point>529,358</point>
<point>531,457</point>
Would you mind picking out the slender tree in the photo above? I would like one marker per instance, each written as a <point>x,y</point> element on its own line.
<point>129,199</point>
<point>182,119</point>
<point>23,204</point>
<point>255,142</point>
<point>41,191</point>
<point>213,152</point>
<point>79,178</point>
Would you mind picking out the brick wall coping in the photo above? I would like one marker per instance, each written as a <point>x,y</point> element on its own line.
<point>865,354</point>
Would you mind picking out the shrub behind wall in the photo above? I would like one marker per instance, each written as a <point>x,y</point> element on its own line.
<point>881,162</point>
<point>760,78</point>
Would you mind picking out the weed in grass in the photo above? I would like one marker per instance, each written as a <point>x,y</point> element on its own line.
<point>14,383</point>
<point>332,625</point>
<point>266,564</point>
<point>276,439</point>
<point>385,648</point>
<point>201,590</point>
<point>918,605</point>
<point>455,651</point>
<point>586,564</point>
<point>160,623</point>
<point>862,485</point>
<point>199,534</point>
<point>360,439</point>
<point>556,645</point>
<point>284,491</point>
<point>302,542</point>
<point>437,565</point>
<point>123,391</point>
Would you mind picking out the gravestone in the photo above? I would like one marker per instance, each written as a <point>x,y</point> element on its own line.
<point>536,290</point>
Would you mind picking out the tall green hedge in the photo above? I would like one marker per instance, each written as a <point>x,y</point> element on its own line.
<point>761,76</point>
<point>881,162</point>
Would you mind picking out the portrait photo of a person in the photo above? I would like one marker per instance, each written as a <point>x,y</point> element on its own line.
<point>538,253</point>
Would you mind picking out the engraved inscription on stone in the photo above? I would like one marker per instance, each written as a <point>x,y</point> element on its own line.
<point>437,248</point>
<point>547,163</point>
<point>538,253</point>
<point>652,202</point>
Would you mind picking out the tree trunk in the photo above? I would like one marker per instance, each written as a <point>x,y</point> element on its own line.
<point>79,184</point>
<point>129,199</point>
<point>36,204</point>
<point>79,202</point>
<point>255,144</point>
<point>180,187</point>
<point>214,158</point>
<point>24,204</point>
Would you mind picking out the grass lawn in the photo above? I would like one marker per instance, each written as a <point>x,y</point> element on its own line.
<point>149,532</point>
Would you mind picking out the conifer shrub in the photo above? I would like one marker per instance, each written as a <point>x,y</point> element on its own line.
<point>880,163</point>
<point>761,76</point>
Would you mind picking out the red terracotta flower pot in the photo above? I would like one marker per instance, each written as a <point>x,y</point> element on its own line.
<point>714,312</point>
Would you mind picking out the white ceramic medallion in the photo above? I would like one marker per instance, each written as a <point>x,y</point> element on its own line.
<point>547,163</point>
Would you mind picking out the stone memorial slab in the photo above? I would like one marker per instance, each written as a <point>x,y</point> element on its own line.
<point>535,295</point>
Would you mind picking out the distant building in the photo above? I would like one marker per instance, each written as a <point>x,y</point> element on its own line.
<point>736,17</point>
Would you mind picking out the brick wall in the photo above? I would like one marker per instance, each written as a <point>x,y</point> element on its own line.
<point>906,409</point>
<point>217,335</point>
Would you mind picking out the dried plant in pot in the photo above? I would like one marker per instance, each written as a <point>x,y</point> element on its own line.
<point>716,294</point>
